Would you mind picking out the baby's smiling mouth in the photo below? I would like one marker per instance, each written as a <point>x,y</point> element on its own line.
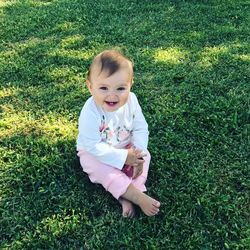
<point>111,103</point>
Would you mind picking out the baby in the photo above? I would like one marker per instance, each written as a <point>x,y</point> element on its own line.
<point>113,134</point>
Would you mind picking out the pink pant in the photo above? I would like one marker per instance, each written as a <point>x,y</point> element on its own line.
<point>112,179</point>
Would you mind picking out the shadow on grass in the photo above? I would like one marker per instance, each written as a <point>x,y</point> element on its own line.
<point>191,77</point>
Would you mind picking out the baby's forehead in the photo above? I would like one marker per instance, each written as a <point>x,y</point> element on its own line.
<point>121,75</point>
<point>97,70</point>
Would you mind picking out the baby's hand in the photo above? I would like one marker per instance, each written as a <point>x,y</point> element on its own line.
<point>137,171</point>
<point>134,157</point>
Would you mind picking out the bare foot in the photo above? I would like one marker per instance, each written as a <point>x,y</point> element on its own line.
<point>147,204</point>
<point>127,208</point>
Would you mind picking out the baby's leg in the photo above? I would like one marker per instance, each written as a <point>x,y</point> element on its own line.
<point>148,205</point>
<point>112,179</point>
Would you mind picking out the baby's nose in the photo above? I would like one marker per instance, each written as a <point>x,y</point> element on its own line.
<point>112,93</point>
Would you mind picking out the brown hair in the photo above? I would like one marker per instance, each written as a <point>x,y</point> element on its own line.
<point>110,61</point>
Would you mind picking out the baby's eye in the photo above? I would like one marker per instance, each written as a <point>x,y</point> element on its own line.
<point>121,89</point>
<point>103,88</point>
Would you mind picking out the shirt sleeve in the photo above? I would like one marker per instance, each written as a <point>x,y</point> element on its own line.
<point>140,128</point>
<point>89,139</point>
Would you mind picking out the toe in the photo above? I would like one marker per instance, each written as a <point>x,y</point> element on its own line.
<point>130,215</point>
<point>157,204</point>
<point>154,211</point>
<point>125,215</point>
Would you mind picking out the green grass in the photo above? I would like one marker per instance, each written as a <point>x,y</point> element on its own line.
<point>192,79</point>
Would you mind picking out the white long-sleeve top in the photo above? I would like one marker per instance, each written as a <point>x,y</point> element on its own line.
<point>105,135</point>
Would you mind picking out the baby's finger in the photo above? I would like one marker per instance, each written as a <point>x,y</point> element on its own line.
<point>136,174</point>
<point>138,151</point>
<point>143,154</point>
<point>139,161</point>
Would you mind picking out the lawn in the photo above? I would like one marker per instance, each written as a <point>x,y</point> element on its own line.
<point>192,68</point>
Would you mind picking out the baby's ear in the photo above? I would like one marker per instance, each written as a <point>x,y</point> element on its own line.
<point>88,83</point>
<point>132,82</point>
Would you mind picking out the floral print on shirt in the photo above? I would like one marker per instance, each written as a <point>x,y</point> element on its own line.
<point>114,135</point>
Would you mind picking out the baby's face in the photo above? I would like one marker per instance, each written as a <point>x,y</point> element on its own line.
<point>111,92</point>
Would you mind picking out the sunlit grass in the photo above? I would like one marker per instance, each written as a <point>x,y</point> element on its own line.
<point>74,54</point>
<point>7,92</point>
<point>24,123</point>
<point>66,26</point>
<point>170,55</point>
<point>210,56</point>
<point>4,3</point>
<point>245,58</point>
<point>71,41</point>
